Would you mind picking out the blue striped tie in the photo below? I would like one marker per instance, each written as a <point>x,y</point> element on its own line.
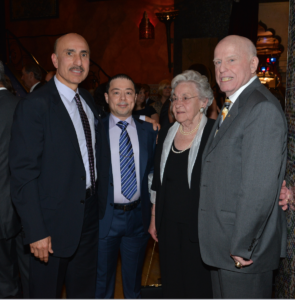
<point>127,164</point>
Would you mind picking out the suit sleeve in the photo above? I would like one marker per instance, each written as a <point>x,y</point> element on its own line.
<point>25,155</point>
<point>263,148</point>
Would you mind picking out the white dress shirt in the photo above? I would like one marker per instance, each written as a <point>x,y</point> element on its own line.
<point>115,132</point>
<point>67,96</point>
<point>32,88</point>
<point>236,94</point>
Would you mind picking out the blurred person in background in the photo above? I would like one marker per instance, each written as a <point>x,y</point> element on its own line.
<point>49,75</point>
<point>32,76</point>
<point>162,105</point>
<point>14,255</point>
<point>141,108</point>
<point>147,91</point>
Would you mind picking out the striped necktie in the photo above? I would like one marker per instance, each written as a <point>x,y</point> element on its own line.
<point>88,138</point>
<point>127,164</point>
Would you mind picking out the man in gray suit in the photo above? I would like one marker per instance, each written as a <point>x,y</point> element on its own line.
<point>14,256</point>
<point>242,229</point>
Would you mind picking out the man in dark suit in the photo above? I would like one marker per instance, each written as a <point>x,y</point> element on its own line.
<point>32,76</point>
<point>147,91</point>
<point>242,229</point>
<point>14,256</point>
<point>128,210</point>
<point>56,186</point>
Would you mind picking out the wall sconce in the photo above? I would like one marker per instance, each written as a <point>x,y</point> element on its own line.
<point>146,28</point>
<point>167,17</point>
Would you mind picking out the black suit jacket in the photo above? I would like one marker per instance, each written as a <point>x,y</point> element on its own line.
<point>195,182</point>
<point>38,86</point>
<point>48,174</point>
<point>9,220</point>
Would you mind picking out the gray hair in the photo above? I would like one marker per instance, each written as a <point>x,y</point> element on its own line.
<point>200,81</point>
<point>2,74</point>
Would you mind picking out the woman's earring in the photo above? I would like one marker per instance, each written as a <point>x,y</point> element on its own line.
<point>202,109</point>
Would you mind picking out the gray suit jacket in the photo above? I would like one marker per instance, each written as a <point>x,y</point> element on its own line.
<point>9,220</point>
<point>243,168</point>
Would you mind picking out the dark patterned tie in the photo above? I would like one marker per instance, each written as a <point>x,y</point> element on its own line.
<point>127,165</point>
<point>88,138</point>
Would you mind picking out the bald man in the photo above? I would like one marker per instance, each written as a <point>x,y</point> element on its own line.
<point>57,140</point>
<point>242,229</point>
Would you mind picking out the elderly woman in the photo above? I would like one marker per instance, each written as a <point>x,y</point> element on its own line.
<point>175,188</point>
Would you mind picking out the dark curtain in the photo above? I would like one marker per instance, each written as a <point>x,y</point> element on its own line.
<point>244,19</point>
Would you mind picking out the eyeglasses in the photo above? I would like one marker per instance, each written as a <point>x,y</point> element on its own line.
<point>184,99</point>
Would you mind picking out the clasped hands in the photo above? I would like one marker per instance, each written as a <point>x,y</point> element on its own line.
<point>42,248</point>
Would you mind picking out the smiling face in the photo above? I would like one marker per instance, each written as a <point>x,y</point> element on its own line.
<point>234,63</point>
<point>71,60</point>
<point>121,98</point>
<point>187,109</point>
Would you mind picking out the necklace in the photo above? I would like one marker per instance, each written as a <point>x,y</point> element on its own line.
<point>178,152</point>
<point>189,132</point>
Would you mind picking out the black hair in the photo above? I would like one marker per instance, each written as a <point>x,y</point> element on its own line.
<point>123,76</point>
<point>32,67</point>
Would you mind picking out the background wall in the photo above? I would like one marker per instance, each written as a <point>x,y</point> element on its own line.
<point>112,31</point>
<point>276,17</point>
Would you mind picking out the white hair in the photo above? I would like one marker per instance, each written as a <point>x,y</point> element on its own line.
<point>200,81</point>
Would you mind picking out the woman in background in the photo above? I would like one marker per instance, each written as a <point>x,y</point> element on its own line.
<point>141,108</point>
<point>162,105</point>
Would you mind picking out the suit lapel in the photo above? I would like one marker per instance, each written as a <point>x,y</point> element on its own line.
<point>63,116</point>
<point>225,125</point>
<point>89,102</point>
<point>143,151</point>
<point>106,125</point>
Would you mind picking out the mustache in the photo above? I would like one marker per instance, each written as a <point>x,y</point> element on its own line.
<point>77,68</point>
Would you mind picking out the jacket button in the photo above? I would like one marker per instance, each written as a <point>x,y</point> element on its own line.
<point>83,178</point>
<point>111,184</point>
<point>111,204</point>
<point>82,201</point>
<point>250,248</point>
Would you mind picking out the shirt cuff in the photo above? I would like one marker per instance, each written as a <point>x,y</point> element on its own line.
<point>142,118</point>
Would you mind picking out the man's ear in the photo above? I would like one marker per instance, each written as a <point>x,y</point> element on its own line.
<point>54,60</point>
<point>135,98</point>
<point>106,97</point>
<point>254,64</point>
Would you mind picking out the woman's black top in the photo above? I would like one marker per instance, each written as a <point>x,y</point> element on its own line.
<point>177,189</point>
<point>147,111</point>
<point>187,200</point>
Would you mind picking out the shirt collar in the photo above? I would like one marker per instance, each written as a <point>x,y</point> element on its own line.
<point>3,88</point>
<point>64,90</point>
<point>235,95</point>
<point>31,89</point>
<point>114,120</point>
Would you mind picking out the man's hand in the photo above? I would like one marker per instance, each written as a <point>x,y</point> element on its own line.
<point>41,248</point>
<point>286,197</point>
<point>152,228</point>
<point>243,262</point>
<point>156,126</point>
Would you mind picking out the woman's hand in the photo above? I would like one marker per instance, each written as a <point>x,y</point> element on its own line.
<point>152,229</point>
